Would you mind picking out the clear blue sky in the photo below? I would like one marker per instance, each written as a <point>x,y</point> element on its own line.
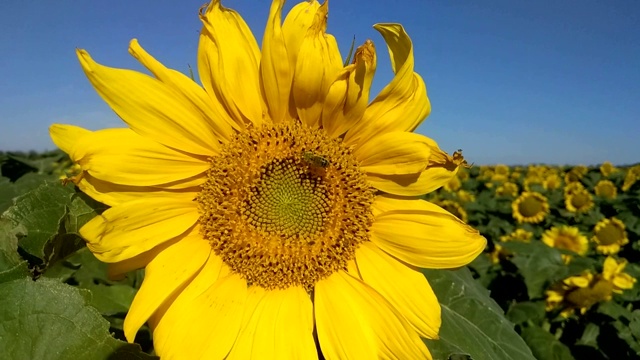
<point>509,81</point>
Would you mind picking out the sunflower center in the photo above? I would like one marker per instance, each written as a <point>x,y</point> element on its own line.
<point>586,297</point>
<point>610,234</point>
<point>580,200</point>
<point>285,205</point>
<point>530,207</point>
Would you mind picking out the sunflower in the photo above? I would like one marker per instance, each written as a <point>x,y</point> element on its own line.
<point>453,185</point>
<point>507,189</point>
<point>575,174</point>
<point>530,207</point>
<point>531,180</point>
<point>609,235</point>
<point>465,196</point>
<point>579,201</point>
<point>520,235</point>
<point>573,187</point>
<point>454,208</point>
<point>566,238</point>
<point>275,209</point>
<point>606,189</point>
<point>583,291</point>
<point>607,168</point>
<point>552,182</point>
<point>631,177</point>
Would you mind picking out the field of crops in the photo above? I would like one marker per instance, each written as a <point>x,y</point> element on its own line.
<point>561,263</point>
<point>563,253</point>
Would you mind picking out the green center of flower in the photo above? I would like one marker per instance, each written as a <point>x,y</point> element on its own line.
<point>285,205</point>
<point>584,298</point>
<point>581,200</point>
<point>567,242</point>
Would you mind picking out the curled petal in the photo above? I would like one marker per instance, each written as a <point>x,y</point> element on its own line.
<point>403,103</point>
<point>348,95</point>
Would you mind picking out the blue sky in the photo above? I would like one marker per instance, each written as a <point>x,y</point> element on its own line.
<point>510,82</point>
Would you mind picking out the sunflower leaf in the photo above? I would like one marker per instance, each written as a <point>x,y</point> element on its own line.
<point>539,265</point>
<point>544,345</point>
<point>12,267</point>
<point>40,212</point>
<point>46,319</point>
<point>472,322</point>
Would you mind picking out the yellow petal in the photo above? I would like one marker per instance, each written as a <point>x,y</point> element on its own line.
<point>189,92</point>
<point>275,75</point>
<point>118,271</point>
<point>113,194</point>
<point>228,63</point>
<point>403,104</point>
<point>394,153</point>
<point>123,157</point>
<point>184,331</point>
<point>151,108</point>
<point>66,136</point>
<point>348,95</point>
<point>406,289</point>
<point>126,230</point>
<point>440,170</point>
<point>423,234</point>
<point>280,326</point>
<point>165,274</point>
<point>296,25</point>
<point>355,322</point>
<point>316,68</point>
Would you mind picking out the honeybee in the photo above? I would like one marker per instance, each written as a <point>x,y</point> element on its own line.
<point>314,160</point>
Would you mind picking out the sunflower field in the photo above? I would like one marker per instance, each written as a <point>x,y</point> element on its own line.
<point>557,280</point>
<point>562,259</point>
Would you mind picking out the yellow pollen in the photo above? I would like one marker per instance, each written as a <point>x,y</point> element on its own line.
<point>285,205</point>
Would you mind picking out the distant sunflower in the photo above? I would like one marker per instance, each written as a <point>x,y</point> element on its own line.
<point>531,180</point>
<point>465,196</point>
<point>575,174</point>
<point>507,189</point>
<point>453,185</point>
<point>607,168</point>
<point>609,235</point>
<point>606,189</point>
<point>571,188</point>
<point>566,238</point>
<point>454,208</point>
<point>501,169</point>
<point>579,201</point>
<point>552,182</point>
<point>530,207</point>
<point>276,208</point>
<point>519,235</point>
<point>583,291</point>
<point>631,177</point>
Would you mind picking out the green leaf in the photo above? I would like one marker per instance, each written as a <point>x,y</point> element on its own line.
<point>472,323</point>
<point>40,212</point>
<point>544,345</point>
<point>525,311</point>
<point>12,266</point>
<point>539,265</point>
<point>46,319</point>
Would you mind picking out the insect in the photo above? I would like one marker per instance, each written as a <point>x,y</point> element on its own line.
<point>314,160</point>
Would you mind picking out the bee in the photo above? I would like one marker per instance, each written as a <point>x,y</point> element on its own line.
<point>314,160</point>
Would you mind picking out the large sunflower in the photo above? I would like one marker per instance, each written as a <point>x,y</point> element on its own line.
<point>530,207</point>
<point>606,189</point>
<point>275,208</point>
<point>578,201</point>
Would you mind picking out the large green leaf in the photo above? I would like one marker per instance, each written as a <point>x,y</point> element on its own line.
<point>46,319</point>
<point>40,212</point>
<point>12,266</point>
<point>472,323</point>
<point>539,265</point>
